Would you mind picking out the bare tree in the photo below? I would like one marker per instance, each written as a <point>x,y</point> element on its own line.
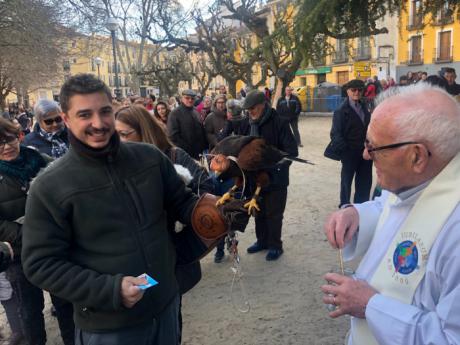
<point>32,46</point>
<point>216,38</point>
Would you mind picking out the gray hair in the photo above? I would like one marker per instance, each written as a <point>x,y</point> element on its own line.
<point>438,126</point>
<point>44,107</point>
<point>234,107</point>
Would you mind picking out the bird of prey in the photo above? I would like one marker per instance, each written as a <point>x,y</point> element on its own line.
<point>237,156</point>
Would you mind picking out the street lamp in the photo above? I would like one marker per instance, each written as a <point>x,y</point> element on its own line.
<point>98,61</point>
<point>112,26</point>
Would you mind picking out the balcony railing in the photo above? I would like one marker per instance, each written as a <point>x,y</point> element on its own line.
<point>340,57</point>
<point>444,20</point>
<point>415,23</point>
<point>415,58</point>
<point>362,53</point>
<point>443,54</point>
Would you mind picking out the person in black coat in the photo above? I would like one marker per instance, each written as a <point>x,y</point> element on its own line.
<point>289,107</point>
<point>18,166</point>
<point>49,135</point>
<point>266,123</point>
<point>184,127</point>
<point>348,133</point>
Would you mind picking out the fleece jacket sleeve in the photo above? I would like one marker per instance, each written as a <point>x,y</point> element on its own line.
<point>47,242</point>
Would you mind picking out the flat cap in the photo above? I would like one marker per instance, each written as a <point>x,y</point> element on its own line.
<point>189,92</point>
<point>354,84</point>
<point>253,98</point>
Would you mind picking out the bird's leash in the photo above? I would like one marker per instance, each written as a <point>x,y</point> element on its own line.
<point>232,243</point>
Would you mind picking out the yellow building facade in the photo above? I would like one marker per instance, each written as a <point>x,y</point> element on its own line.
<point>428,43</point>
<point>93,55</point>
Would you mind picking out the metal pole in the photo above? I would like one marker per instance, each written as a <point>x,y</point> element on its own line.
<point>117,83</point>
<point>98,72</point>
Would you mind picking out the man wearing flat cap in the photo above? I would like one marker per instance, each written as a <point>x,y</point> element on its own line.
<point>184,127</point>
<point>265,122</point>
<point>349,127</point>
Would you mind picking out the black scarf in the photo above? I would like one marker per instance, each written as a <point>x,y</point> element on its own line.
<point>25,167</point>
<point>81,148</point>
<point>256,124</point>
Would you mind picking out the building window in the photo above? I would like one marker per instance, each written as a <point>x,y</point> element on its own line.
<point>110,80</point>
<point>363,50</point>
<point>74,60</point>
<point>320,78</point>
<point>74,44</point>
<point>303,81</point>
<point>415,16</point>
<point>444,51</point>
<point>109,67</point>
<point>93,65</point>
<point>445,15</point>
<point>416,52</point>
<point>342,77</point>
<point>341,52</point>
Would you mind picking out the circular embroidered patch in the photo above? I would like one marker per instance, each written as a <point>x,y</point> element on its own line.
<point>405,257</point>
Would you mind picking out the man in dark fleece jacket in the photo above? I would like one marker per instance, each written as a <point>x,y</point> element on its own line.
<point>96,220</point>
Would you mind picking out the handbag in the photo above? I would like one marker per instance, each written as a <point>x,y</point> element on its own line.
<point>332,152</point>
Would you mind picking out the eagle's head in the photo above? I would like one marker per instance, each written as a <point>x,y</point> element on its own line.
<point>219,163</point>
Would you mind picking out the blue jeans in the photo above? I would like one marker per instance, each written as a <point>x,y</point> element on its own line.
<point>163,330</point>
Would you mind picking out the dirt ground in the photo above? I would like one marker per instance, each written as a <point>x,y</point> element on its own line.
<point>285,299</point>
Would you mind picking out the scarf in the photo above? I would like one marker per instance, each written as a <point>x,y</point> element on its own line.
<point>25,167</point>
<point>81,148</point>
<point>256,124</point>
<point>58,146</point>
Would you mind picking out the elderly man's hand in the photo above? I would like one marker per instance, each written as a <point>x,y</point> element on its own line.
<point>130,291</point>
<point>340,226</point>
<point>349,295</point>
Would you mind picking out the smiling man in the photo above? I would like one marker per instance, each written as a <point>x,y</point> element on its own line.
<point>407,286</point>
<point>96,220</point>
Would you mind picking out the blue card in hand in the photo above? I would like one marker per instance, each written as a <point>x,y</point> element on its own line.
<point>150,281</point>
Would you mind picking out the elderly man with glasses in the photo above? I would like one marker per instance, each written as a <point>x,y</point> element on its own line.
<point>406,289</point>
<point>349,126</point>
<point>184,126</point>
<point>49,135</point>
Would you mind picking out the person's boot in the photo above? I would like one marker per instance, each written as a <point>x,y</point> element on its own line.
<point>255,248</point>
<point>274,254</point>
<point>219,256</point>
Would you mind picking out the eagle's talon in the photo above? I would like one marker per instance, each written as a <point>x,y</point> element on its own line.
<point>226,197</point>
<point>251,205</point>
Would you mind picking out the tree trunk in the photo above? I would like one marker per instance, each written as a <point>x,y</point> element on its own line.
<point>2,102</point>
<point>232,87</point>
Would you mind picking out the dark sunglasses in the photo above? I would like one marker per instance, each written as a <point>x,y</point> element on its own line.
<point>56,120</point>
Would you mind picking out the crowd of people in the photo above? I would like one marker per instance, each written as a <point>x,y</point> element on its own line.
<point>94,193</point>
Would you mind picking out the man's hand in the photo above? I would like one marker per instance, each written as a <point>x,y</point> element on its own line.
<point>130,292</point>
<point>349,295</point>
<point>340,226</point>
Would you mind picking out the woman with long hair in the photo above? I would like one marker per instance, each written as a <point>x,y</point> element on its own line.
<point>161,112</point>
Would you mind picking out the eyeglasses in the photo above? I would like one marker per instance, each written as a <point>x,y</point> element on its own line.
<point>370,150</point>
<point>355,90</point>
<point>10,141</point>
<point>125,134</point>
<point>56,120</point>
